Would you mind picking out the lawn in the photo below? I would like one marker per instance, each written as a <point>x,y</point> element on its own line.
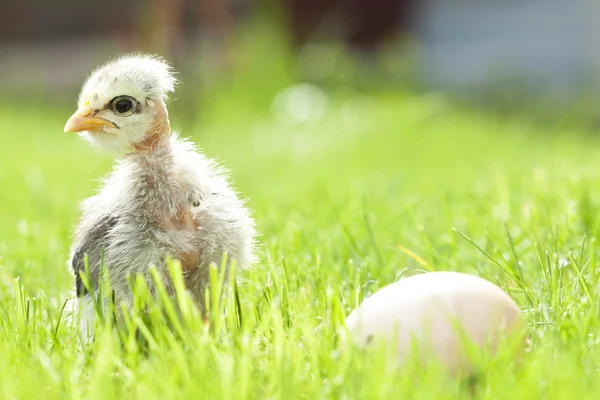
<point>351,190</point>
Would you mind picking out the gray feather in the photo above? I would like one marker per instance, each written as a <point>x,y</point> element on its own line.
<point>120,222</point>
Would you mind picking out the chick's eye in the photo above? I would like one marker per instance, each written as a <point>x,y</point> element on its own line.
<point>123,105</point>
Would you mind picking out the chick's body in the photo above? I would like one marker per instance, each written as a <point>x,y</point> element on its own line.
<point>173,202</point>
<point>163,199</point>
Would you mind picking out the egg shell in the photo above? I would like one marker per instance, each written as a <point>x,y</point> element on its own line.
<point>438,309</point>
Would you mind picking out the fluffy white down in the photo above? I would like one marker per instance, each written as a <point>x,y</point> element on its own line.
<point>144,185</point>
<point>149,76</point>
<point>147,79</point>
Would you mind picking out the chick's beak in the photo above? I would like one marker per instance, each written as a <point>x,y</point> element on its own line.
<point>83,120</point>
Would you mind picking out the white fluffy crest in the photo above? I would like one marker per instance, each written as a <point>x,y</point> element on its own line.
<point>152,75</point>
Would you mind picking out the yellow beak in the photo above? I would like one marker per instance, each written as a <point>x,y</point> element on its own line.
<point>83,120</point>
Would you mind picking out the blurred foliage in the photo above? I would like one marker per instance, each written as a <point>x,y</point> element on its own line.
<point>343,159</point>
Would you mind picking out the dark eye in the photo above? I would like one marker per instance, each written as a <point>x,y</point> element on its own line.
<point>123,105</point>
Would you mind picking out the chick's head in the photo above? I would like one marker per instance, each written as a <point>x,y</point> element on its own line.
<point>122,104</point>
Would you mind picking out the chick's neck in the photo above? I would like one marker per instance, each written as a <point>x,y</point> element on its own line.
<point>157,136</point>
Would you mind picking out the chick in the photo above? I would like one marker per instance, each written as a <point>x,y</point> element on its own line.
<point>163,198</point>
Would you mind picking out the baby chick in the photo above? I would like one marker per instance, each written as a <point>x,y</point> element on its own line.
<point>163,198</point>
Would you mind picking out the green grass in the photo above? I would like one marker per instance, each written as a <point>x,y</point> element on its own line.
<point>335,200</point>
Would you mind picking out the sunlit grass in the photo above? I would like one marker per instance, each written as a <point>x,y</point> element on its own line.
<point>348,196</point>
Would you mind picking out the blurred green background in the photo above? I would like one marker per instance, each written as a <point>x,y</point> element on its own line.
<point>390,110</point>
<point>370,138</point>
<point>333,107</point>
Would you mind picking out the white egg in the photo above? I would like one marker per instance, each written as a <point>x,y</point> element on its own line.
<point>437,311</point>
